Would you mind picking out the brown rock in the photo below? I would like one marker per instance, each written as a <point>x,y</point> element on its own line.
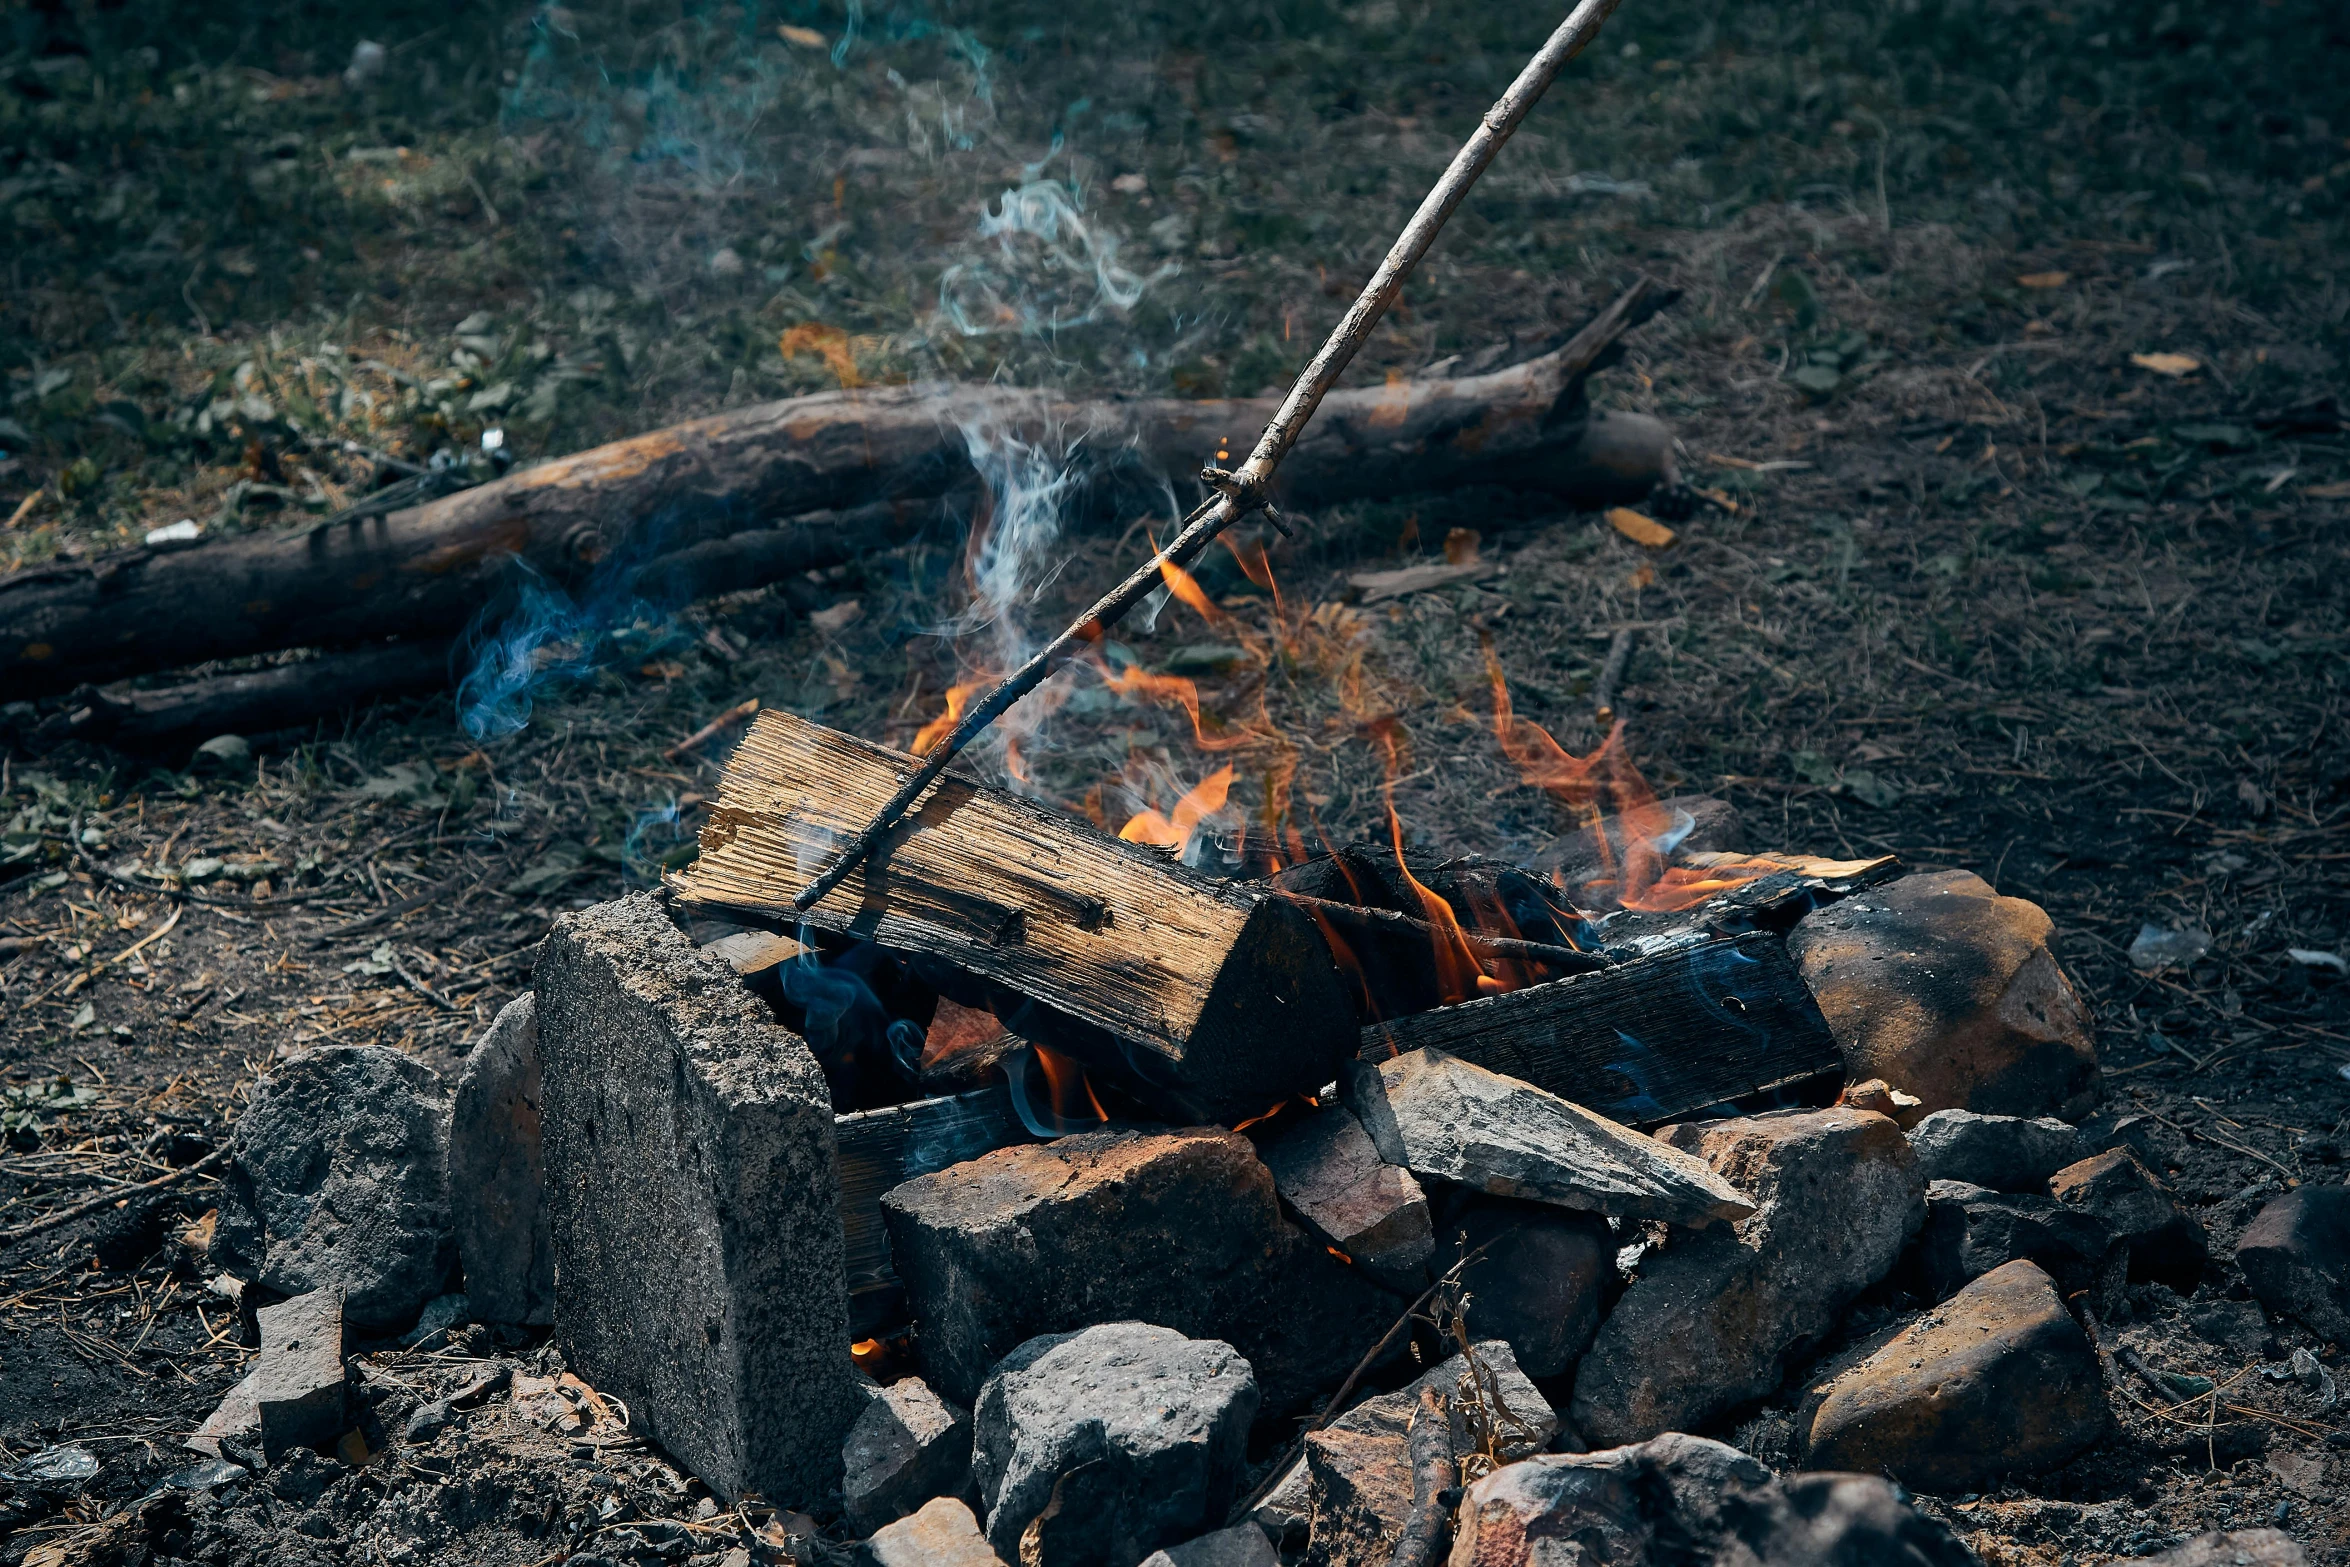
<point>1544,1281</point>
<point>2164,1242</point>
<point>942,1534</point>
<point>1182,1229</point>
<point>1326,1166</point>
<point>1998,1378</point>
<point>2233,1548</point>
<point>2296,1255</point>
<point>1711,1322</point>
<point>1359,1490</point>
<point>1946,990</point>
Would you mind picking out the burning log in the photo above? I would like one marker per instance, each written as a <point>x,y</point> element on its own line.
<point>752,495</point>
<point>1205,1001</point>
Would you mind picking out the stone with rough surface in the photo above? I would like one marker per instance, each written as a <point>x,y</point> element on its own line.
<point>295,1394</point>
<point>942,1533</point>
<point>1712,1322</point>
<point>1242,1545</point>
<point>1997,1379</point>
<point>1946,990</point>
<point>2233,1548</point>
<point>2296,1255</point>
<point>1374,1433</point>
<point>1437,1115</point>
<point>693,1206</point>
<point>1180,1228</point>
<point>1324,1164</point>
<point>1103,1445</point>
<point>1970,1230</point>
<point>2006,1153</point>
<point>1683,1501</point>
<point>335,1182</point>
<point>2164,1242</point>
<point>496,1184</point>
<point>1544,1281</point>
<point>909,1446</point>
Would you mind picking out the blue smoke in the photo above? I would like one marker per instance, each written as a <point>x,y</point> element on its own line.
<point>550,641</point>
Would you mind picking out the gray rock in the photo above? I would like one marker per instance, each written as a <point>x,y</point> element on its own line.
<point>1999,1378</point>
<point>440,1314</point>
<point>335,1183</point>
<point>1242,1545</point>
<point>942,1534</point>
<point>2164,1242</point>
<point>2233,1548</point>
<point>1684,1500</point>
<point>908,1446</point>
<point>295,1394</point>
<point>1713,1320</point>
<point>1183,1228</point>
<point>1103,1445</point>
<point>1324,1164</point>
<point>1370,1438</point>
<point>1544,1281</point>
<point>2006,1153</point>
<point>1438,1115</point>
<point>225,754</point>
<point>496,1182</point>
<point>2296,1256</point>
<point>693,1206</point>
<point>1970,1230</point>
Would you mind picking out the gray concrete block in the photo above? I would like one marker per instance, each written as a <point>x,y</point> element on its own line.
<point>693,1205</point>
<point>496,1181</point>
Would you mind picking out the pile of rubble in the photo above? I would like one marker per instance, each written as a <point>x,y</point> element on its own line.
<point>1433,1302</point>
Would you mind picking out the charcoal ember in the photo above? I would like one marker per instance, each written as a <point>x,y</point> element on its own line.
<point>1970,1230</point>
<point>497,1183</point>
<point>2164,1241</point>
<point>1325,1165</point>
<point>908,1446</point>
<point>1104,1445</point>
<point>1946,990</point>
<point>2006,1153</point>
<point>1437,1115</point>
<point>1544,1282</point>
<point>1353,1491</point>
<point>1998,1378</point>
<point>942,1533</point>
<point>336,1182</point>
<point>2296,1256</point>
<point>1713,1320</point>
<point>1182,1228</point>
<point>1680,1498</point>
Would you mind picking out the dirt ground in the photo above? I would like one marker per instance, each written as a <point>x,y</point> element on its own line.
<point>2008,361</point>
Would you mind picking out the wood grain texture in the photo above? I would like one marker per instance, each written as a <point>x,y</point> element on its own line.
<point>1208,1002</point>
<point>879,1149</point>
<point>1644,1043</point>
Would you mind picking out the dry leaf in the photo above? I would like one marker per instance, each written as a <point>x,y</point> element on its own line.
<point>838,617</point>
<point>2167,364</point>
<point>2339,490</point>
<point>1643,577</point>
<point>2044,280</point>
<point>1460,546</point>
<point>805,37</point>
<point>1640,529</point>
<point>828,343</point>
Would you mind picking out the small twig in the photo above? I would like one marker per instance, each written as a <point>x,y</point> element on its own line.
<point>1543,952</point>
<point>1436,1483</point>
<point>1240,492</point>
<point>157,934</point>
<point>1611,675</point>
<point>420,987</point>
<point>739,713</point>
<point>108,1199</point>
<point>183,894</point>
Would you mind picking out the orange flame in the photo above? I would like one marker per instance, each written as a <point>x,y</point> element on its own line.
<point>1458,974</point>
<point>1066,1079</point>
<point>1172,831</point>
<point>1635,872</point>
<point>930,734</point>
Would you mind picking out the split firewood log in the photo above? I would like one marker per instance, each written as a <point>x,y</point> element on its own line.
<point>748,496</point>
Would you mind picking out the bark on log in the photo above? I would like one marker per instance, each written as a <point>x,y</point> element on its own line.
<point>249,703</point>
<point>1202,1000</point>
<point>804,482</point>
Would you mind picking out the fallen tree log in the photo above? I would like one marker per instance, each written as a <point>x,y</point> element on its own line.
<point>250,702</point>
<point>1203,1000</point>
<point>755,493</point>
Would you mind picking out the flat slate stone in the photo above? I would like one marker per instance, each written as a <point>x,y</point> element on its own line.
<point>295,1395</point>
<point>2006,1153</point>
<point>497,1182</point>
<point>1440,1116</point>
<point>2296,1256</point>
<point>1326,1166</point>
<point>1242,1545</point>
<point>693,1205</point>
<point>1997,1379</point>
<point>1107,1444</point>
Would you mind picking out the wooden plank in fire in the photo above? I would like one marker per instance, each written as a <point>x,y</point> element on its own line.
<point>1204,1000</point>
<point>879,1149</point>
<point>1648,1041</point>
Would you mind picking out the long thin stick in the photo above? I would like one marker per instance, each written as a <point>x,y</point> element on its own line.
<point>109,1198</point>
<point>1245,489</point>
